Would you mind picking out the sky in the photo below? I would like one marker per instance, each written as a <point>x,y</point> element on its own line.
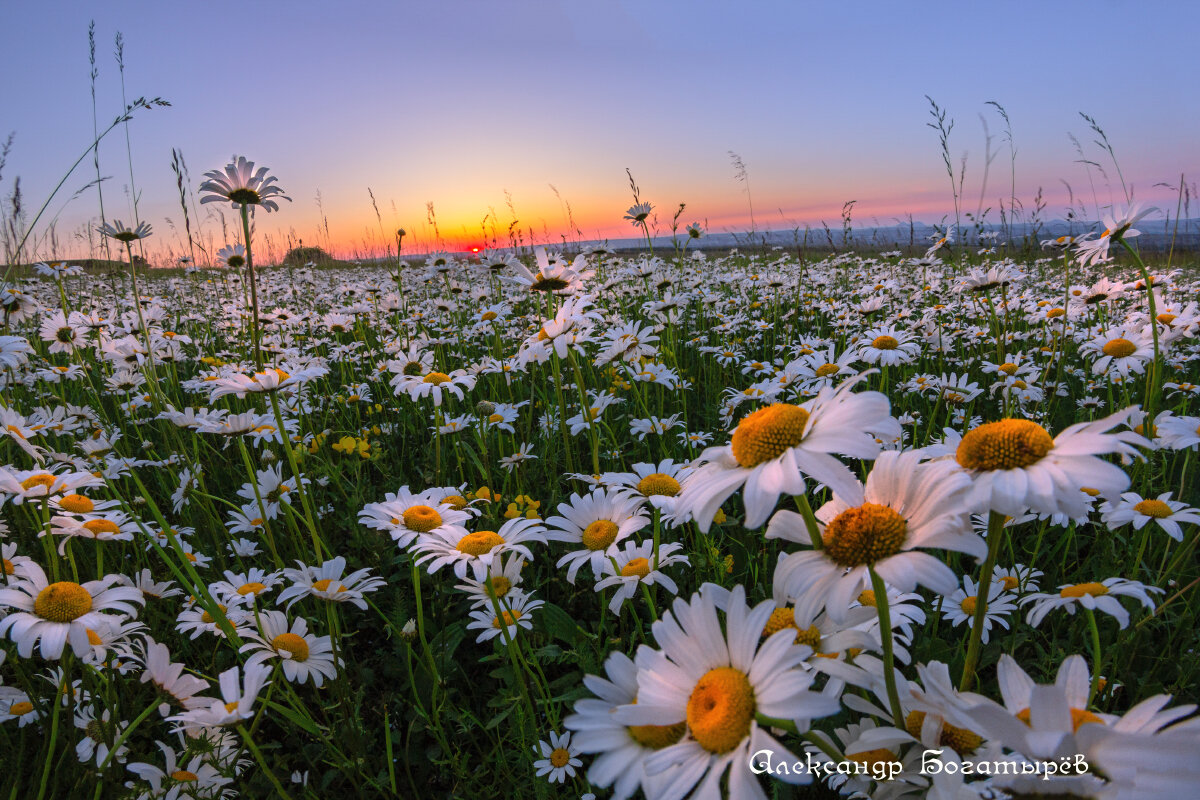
<point>468,104</point>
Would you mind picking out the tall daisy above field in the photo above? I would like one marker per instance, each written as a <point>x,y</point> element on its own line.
<point>242,185</point>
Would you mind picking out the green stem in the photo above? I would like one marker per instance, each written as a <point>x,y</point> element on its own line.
<point>982,589</point>
<point>258,756</point>
<point>889,656</point>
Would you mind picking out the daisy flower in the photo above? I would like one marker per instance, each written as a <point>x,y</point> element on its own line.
<point>598,521</point>
<point>61,612</point>
<point>232,256</point>
<point>170,678</point>
<point>1178,433</point>
<point>514,613</point>
<point>15,704</point>
<point>1015,465</point>
<point>100,733</point>
<point>505,578</point>
<point>558,761</point>
<point>1049,721</point>
<point>22,486</point>
<point>659,483</point>
<point>434,384</point>
<point>1090,252</point>
<point>242,185</point>
<point>888,347</point>
<point>906,504</point>
<point>244,588</point>
<point>239,690</point>
<point>773,448</point>
<point>1091,596</point>
<point>405,516</point>
<point>959,606</point>
<point>717,682</point>
<point>1164,511</point>
<point>200,777</point>
<point>1120,350</point>
<point>638,213</point>
<point>520,456</point>
<point>194,620</point>
<point>305,656</point>
<point>327,582</point>
<point>477,549</point>
<point>621,749</point>
<point>1017,578</point>
<point>122,233</point>
<point>638,565</point>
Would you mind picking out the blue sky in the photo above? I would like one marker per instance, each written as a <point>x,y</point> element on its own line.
<point>457,102</point>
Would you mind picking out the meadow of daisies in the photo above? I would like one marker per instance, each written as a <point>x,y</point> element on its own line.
<point>546,524</point>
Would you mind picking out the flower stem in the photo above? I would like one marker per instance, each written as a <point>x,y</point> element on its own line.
<point>983,587</point>
<point>889,656</point>
<point>1096,654</point>
<point>254,333</point>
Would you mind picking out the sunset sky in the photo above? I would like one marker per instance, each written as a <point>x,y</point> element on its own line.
<point>457,102</point>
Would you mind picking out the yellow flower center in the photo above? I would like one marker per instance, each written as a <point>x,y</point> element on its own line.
<point>76,504</point>
<point>291,643</point>
<point>94,638</point>
<point>488,316</point>
<point>866,597</point>
<point>636,566</point>
<point>8,567</point>
<point>501,585</point>
<point>1054,313</point>
<point>509,617</point>
<point>864,535</point>
<point>720,709</point>
<point>1008,368</point>
<point>1119,348</point>
<point>968,605</point>
<point>208,618</point>
<point>479,542</point>
<point>1019,384</point>
<point>62,602</point>
<point>1079,717</point>
<point>1080,589</point>
<point>494,418</point>
<point>455,501</point>
<point>1089,491</point>
<point>183,776</point>
<point>421,518</point>
<point>600,534</point>
<point>656,737</point>
<point>1007,444</point>
<point>825,370</point>
<point>1153,508</point>
<point>1166,318</point>
<point>99,526</point>
<point>658,483</point>
<point>254,587</point>
<point>885,343</point>
<point>559,758</point>
<point>324,584</point>
<point>878,755</point>
<point>768,433</point>
<point>41,479</point>
<point>1010,583</point>
<point>436,378</point>
<point>960,740</point>
<point>20,709</point>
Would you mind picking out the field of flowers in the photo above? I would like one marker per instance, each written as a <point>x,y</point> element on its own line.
<point>538,524</point>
